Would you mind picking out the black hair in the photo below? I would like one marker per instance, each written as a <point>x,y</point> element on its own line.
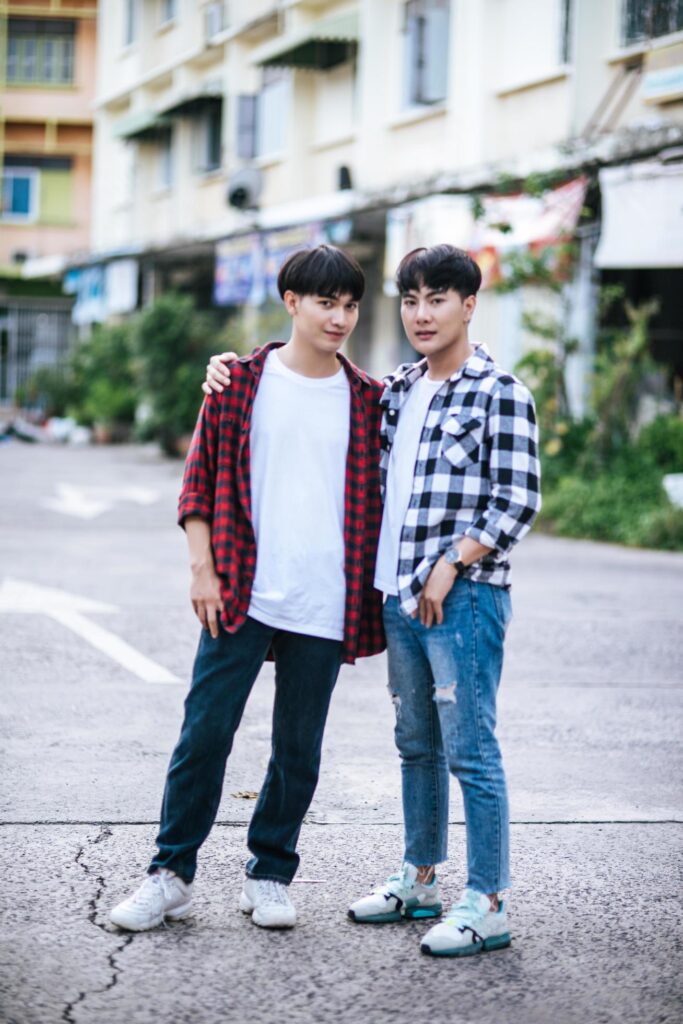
<point>439,267</point>
<point>324,270</point>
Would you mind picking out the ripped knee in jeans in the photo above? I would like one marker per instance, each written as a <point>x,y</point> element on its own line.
<point>444,693</point>
<point>395,700</point>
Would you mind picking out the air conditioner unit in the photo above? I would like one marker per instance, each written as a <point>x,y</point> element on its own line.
<point>244,188</point>
<point>214,19</point>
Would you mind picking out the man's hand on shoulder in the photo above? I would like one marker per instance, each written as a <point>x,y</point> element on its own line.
<point>218,372</point>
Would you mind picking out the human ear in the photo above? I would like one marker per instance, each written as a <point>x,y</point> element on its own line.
<point>291,301</point>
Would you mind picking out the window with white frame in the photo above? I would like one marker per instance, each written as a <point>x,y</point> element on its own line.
<point>648,19</point>
<point>565,31</point>
<point>40,51</point>
<point>425,51</point>
<point>165,163</point>
<point>272,112</point>
<point>335,102</point>
<point>207,132</point>
<point>168,10</point>
<point>214,19</point>
<point>130,21</point>
<point>20,190</point>
<point>534,40</point>
<point>247,115</point>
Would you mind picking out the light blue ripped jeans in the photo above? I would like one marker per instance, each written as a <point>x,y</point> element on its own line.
<point>443,682</point>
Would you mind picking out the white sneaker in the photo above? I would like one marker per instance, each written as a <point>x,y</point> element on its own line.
<point>471,927</point>
<point>402,896</point>
<point>268,903</point>
<point>161,895</point>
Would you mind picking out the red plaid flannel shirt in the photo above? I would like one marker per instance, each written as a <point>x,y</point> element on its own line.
<point>217,488</point>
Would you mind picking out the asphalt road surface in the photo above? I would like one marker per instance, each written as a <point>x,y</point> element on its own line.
<point>97,639</point>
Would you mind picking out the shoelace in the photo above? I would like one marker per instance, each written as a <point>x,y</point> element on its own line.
<point>401,877</point>
<point>148,890</point>
<point>273,892</point>
<point>464,912</point>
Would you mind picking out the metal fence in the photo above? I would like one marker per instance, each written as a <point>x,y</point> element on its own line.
<point>34,333</point>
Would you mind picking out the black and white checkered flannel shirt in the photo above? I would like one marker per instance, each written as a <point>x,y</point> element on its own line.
<point>477,472</point>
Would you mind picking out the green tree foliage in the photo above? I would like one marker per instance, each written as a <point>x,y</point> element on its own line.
<point>104,378</point>
<point>173,343</point>
<point>601,478</point>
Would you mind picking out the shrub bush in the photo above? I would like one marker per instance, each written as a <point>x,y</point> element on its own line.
<point>173,343</point>
<point>625,505</point>
<point>662,442</point>
<point>104,377</point>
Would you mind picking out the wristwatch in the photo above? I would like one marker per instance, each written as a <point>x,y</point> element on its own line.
<point>454,558</point>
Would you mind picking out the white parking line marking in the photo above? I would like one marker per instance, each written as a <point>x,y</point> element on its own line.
<point>68,609</point>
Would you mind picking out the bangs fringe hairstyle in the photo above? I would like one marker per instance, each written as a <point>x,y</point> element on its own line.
<point>324,270</point>
<point>439,268</point>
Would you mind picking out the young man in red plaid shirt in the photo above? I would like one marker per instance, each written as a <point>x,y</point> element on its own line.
<point>460,472</point>
<point>281,506</point>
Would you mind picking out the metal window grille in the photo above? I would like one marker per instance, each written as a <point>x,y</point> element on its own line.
<point>648,19</point>
<point>40,52</point>
<point>33,333</point>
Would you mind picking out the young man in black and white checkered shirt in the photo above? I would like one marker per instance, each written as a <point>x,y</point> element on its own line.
<point>461,484</point>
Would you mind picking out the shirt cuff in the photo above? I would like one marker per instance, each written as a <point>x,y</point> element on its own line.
<point>480,533</point>
<point>195,503</point>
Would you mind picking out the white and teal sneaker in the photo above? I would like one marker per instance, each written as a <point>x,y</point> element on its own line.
<point>471,927</point>
<point>402,896</point>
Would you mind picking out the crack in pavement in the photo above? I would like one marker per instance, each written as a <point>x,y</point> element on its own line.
<point>112,958</point>
<point>241,823</point>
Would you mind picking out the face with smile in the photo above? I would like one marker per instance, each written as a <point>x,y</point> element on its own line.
<point>435,321</point>
<point>321,322</point>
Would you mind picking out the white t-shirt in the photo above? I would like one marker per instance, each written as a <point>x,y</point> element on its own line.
<point>400,475</point>
<point>299,442</point>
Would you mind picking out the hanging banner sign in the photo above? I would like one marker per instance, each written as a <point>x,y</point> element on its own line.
<point>505,223</point>
<point>247,267</point>
<point>238,276</point>
<point>278,245</point>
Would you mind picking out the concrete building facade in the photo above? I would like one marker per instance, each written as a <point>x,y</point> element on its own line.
<point>227,132</point>
<point>47,83</point>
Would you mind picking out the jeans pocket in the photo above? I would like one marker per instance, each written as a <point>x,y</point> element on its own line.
<point>503,604</point>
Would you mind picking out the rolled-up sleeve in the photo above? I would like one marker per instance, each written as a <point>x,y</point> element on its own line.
<point>514,470</point>
<point>197,494</point>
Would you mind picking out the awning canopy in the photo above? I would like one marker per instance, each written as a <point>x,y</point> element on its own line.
<point>146,124</point>
<point>642,216</point>
<point>320,45</point>
<point>210,94</point>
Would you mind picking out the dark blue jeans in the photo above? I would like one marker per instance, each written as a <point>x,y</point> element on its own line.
<point>225,669</point>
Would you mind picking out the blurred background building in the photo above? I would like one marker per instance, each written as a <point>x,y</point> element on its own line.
<point>47,77</point>
<point>228,132</point>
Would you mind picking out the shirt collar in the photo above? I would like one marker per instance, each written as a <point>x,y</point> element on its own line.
<point>478,364</point>
<point>257,359</point>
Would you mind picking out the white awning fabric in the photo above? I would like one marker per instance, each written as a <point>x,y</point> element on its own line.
<point>642,216</point>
